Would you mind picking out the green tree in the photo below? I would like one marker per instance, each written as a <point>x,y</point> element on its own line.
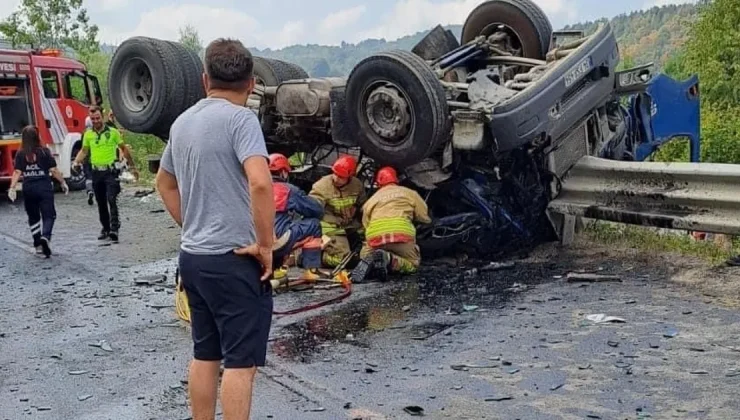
<point>713,49</point>
<point>190,39</point>
<point>51,24</point>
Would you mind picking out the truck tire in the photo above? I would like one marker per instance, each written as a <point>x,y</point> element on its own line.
<point>146,79</point>
<point>523,17</point>
<point>397,107</point>
<point>272,72</point>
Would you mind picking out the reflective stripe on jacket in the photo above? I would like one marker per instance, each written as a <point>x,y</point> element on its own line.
<point>389,215</point>
<point>340,204</point>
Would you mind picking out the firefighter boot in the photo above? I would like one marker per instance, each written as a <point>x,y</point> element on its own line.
<point>381,261</point>
<point>361,271</point>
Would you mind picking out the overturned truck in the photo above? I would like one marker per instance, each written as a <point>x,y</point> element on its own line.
<point>485,127</point>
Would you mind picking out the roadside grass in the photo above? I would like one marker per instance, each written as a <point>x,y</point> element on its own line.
<point>143,145</point>
<point>652,240</point>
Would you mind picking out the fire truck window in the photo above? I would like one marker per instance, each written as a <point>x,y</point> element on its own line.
<point>51,84</point>
<point>15,106</point>
<point>76,88</point>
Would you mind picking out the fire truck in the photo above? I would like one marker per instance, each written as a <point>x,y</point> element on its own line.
<point>43,88</point>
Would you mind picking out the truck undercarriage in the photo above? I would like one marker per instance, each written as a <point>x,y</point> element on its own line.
<point>485,129</point>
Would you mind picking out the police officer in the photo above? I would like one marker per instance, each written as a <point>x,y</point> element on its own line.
<point>101,143</point>
<point>86,168</point>
<point>37,166</point>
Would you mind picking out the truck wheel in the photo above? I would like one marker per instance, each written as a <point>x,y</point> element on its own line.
<point>146,79</point>
<point>397,107</point>
<point>522,19</point>
<point>272,72</point>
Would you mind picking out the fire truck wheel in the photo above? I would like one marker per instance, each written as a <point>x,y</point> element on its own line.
<point>146,79</point>
<point>76,180</point>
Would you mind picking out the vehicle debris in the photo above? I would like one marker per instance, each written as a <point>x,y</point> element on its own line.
<point>414,410</point>
<point>603,319</point>
<point>591,278</point>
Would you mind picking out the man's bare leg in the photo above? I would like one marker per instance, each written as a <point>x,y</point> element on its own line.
<point>203,387</point>
<point>236,393</point>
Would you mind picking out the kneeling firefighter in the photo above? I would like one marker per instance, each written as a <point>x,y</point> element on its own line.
<point>298,214</point>
<point>390,235</point>
<point>340,193</point>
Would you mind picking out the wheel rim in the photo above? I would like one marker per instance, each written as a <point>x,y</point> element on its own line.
<point>516,40</point>
<point>137,85</point>
<point>388,112</point>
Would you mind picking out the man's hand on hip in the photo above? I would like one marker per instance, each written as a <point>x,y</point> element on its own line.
<point>262,254</point>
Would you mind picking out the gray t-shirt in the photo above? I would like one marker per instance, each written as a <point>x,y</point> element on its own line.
<point>208,145</point>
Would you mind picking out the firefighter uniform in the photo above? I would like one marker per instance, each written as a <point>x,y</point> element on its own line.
<point>388,218</point>
<point>103,150</point>
<point>296,213</point>
<point>340,207</point>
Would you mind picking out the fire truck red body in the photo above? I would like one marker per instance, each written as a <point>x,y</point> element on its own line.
<point>52,92</point>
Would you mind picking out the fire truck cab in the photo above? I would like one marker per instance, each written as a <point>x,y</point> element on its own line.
<point>52,92</point>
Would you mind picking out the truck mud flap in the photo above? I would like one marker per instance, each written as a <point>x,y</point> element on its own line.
<point>684,196</point>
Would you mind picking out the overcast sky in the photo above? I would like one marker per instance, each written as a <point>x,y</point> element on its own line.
<point>277,23</point>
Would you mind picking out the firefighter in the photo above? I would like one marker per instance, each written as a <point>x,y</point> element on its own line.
<point>340,194</point>
<point>102,143</point>
<point>37,166</point>
<point>390,235</point>
<point>298,214</point>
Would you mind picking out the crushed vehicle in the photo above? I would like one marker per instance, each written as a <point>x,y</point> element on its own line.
<point>485,128</point>
<point>54,92</point>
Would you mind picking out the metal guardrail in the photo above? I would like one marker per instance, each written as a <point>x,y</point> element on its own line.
<point>686,196</point>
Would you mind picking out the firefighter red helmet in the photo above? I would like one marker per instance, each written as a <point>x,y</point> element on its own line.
<point>344,167</point>
<point>386,175</point>
<point>279,162</point>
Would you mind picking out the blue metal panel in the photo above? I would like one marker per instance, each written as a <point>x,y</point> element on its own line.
<point>668,109</point>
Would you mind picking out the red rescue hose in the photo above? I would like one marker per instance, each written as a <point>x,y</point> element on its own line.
<point>347,291</point>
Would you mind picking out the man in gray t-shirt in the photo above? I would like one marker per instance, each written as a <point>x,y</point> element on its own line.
<point>215,182</point>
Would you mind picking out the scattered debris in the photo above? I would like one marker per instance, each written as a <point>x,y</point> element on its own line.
<point>466,367</point>
<point>603,319</point>
<point>499,398</point>
<point>699,372</point>
<point>470,308</point>
<point>517,287</point>
<point>84,397</point>
<point>77,372</point>
<point>613,344</point>
<point>671,333</point>
<point>150,280</point>
<point>590,278</point>
<point>103,345</point>
<point>556,387</point>
<point>414,410</point>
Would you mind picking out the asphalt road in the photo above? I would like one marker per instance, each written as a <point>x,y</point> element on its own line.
<point>80,340</point>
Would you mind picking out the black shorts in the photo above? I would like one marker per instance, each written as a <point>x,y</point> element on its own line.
<point>230,308</point>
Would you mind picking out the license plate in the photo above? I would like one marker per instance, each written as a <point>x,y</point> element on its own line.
<point>583,67</point>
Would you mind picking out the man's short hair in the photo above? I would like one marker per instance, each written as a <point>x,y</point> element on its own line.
<point>229,64</point>
<point>95,108</point>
